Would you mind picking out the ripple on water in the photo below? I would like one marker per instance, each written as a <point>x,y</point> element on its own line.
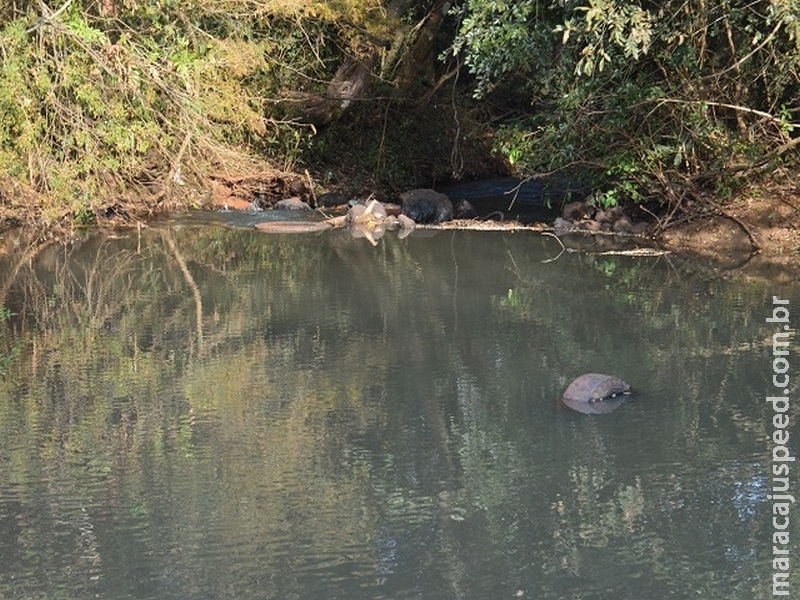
<point>380,422</point>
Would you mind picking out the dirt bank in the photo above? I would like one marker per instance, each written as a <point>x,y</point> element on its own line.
<point>758,230</point>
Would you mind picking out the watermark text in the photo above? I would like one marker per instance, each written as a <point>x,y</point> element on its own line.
<point>782,460</point>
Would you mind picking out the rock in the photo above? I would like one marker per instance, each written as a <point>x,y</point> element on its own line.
<point>462,209</point>
<point>639,228</point>
<point>623,224</point>
<point>426,206</point>
<point>577,211</point>
<point>329,199</point>
<point>292,204</point>
<point>392,209</point>
<point>354,213</point>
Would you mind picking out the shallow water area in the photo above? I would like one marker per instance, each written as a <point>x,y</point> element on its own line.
<point>201,410</point>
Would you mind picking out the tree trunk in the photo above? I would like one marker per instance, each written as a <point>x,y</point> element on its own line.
<point>351,80</point>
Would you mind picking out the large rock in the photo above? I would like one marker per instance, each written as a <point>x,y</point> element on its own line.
<point>292,204</point>
<point>577,211</point>
<point>426,206</point>
<point>462,209</point>
<point>369,215</point>
<point>329,199</point>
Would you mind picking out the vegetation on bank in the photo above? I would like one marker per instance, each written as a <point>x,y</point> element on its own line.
<point>108,107</point>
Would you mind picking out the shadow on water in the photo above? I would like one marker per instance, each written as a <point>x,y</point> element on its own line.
<point>207,412</point>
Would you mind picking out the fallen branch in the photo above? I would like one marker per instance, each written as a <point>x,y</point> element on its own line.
<point>740,223</point>
<point>734,107</point>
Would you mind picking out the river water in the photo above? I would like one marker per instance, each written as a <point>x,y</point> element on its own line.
<point>197,411</point>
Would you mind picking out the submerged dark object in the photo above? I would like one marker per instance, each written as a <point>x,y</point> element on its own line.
<point>595,393</point>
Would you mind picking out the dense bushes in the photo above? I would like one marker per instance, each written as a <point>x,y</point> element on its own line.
<point>134,97</point>
<point>99,99</point>
<point>656,98</point>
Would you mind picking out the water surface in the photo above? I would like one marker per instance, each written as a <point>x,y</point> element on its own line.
<point>201,412</point>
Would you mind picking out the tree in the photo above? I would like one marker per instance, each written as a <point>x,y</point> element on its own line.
<point>649,95</point>
<point>402,38</point>
<point>101,97</point>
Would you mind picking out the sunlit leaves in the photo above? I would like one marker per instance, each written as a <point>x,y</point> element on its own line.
<point>82,30</point>
<point>604,26</point>
<point>93,102</point>
<point>496,38</point>
<point>674,87</point>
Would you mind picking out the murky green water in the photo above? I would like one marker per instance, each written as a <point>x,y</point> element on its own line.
<point>203,412</point>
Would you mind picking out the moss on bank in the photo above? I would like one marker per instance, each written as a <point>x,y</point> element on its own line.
<point>127,110</point>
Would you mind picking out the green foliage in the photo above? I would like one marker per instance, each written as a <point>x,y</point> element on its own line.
<point>605,27</point>
<point>643,94</point>
<point>515,142</point>
<point>498,38</point>
<point>156,94</point>
<point>625,178</point>
<point>83,217</point>
<point>96,101</point>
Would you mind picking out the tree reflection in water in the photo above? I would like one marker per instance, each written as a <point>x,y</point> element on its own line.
<point>205,412</point>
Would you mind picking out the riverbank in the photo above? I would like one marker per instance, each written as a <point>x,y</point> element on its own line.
<point>758,229</point>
